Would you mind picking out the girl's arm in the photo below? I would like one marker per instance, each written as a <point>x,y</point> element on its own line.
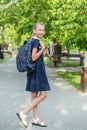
<point>35,54</point>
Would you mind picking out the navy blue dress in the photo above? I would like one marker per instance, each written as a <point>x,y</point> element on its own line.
<point>37,80</point>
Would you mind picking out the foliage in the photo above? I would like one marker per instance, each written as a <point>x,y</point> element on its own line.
<point>65,20</point>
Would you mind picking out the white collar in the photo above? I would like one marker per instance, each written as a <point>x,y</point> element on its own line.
<point>35,37</point>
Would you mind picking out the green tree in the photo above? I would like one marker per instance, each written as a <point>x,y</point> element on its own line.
<point>65,20</point>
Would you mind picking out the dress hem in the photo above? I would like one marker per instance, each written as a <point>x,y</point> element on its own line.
<point>37,91</point>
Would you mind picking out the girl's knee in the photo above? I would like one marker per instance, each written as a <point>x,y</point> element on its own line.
<point>43,95</point>
<point>34,94</point>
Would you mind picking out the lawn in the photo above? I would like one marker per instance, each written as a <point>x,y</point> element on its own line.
<point>1,61</point>
<point>72,77</point>
<point>6,57</point>
<point>64,62</point>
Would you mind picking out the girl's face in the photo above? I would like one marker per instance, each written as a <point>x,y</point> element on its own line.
<point>39,31</point>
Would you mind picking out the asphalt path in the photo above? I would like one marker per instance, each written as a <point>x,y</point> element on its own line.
<point>64,109</point>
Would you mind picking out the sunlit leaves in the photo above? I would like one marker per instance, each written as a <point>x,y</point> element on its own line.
<point>65,20</point>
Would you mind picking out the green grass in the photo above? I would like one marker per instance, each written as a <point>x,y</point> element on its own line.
<point>72,77</point>
<point>1,61</point>
<point>6,57</point>
<point>64,62</point>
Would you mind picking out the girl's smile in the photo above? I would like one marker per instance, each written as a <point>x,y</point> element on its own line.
<point>39,31</point>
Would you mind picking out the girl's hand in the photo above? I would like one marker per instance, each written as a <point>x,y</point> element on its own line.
<point>42,46</point>
<point>45,51</point>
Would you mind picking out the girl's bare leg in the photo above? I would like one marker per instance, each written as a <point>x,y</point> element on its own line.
<point>36,99</point>
<point>35,109</point>
<point>35,102</point>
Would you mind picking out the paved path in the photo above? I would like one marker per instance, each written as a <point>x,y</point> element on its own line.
<point>64,109</point>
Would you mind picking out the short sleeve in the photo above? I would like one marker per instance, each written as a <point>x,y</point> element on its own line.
<point>35,43</point>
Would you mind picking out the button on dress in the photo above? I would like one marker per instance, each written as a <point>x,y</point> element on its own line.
<point>37,80</point>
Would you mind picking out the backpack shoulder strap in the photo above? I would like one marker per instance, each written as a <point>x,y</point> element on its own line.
<point>26,42</point>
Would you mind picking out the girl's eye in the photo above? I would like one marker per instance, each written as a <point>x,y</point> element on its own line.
<point>40,30</point>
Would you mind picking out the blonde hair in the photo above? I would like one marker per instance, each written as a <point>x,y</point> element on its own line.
<point>36,24</point>
<point>34,27</point>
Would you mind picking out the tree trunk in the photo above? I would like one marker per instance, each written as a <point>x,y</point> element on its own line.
<point>68,49</point>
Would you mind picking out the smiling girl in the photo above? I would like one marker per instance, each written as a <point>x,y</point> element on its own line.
<point>37,82</point>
